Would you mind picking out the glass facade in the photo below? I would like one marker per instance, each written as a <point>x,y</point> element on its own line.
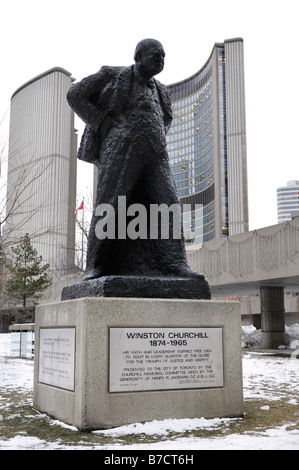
<point>191,148</point>
<point>223,141</point>
<point>288,201</point>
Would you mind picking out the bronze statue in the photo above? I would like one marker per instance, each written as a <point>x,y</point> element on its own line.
<point>127,113</point>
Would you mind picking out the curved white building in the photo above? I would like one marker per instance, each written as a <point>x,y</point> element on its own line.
<point>41,181</point>
<point>207,144</point>
<point>288,201</point>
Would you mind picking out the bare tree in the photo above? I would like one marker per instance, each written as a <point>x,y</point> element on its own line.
<point>16,208</point>
<point>21,211</point>
<point>82,217</point>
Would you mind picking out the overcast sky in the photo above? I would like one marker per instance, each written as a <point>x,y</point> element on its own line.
<point>81,36</point>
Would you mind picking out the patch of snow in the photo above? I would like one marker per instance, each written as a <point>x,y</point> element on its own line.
<point>251,337</point>
<point>165,426</point>
<point>268,378</point>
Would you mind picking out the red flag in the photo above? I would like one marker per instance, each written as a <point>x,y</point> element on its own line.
<point>79,208</point>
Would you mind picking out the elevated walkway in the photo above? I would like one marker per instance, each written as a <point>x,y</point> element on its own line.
<point>242,263</point>
<point>266,260</point>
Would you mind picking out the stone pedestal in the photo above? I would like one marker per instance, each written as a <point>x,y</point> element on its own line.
<point>106,362</point>
<point>195,287</point>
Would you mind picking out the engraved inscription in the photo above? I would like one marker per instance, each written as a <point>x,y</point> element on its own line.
<point>57,357</point>
<point>165,358</point>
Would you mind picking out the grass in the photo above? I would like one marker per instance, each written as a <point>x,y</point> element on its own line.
<point>18,418</point>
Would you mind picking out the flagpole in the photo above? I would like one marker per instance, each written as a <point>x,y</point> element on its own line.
<point>82,237</point>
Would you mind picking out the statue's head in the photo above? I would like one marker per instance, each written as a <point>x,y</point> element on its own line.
<point>149,57</point>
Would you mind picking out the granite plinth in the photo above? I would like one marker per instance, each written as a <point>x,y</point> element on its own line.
<point>99,364</point>
<point>141,287</point>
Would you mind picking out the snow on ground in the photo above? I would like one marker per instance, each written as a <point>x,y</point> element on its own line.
<point>264,377</point>
<point>251,337</point>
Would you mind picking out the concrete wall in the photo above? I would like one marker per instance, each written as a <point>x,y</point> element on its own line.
<point>270,253</point>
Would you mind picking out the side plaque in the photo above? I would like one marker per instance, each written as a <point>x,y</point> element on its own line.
<point>143,359</point>
<point>57,357</point>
